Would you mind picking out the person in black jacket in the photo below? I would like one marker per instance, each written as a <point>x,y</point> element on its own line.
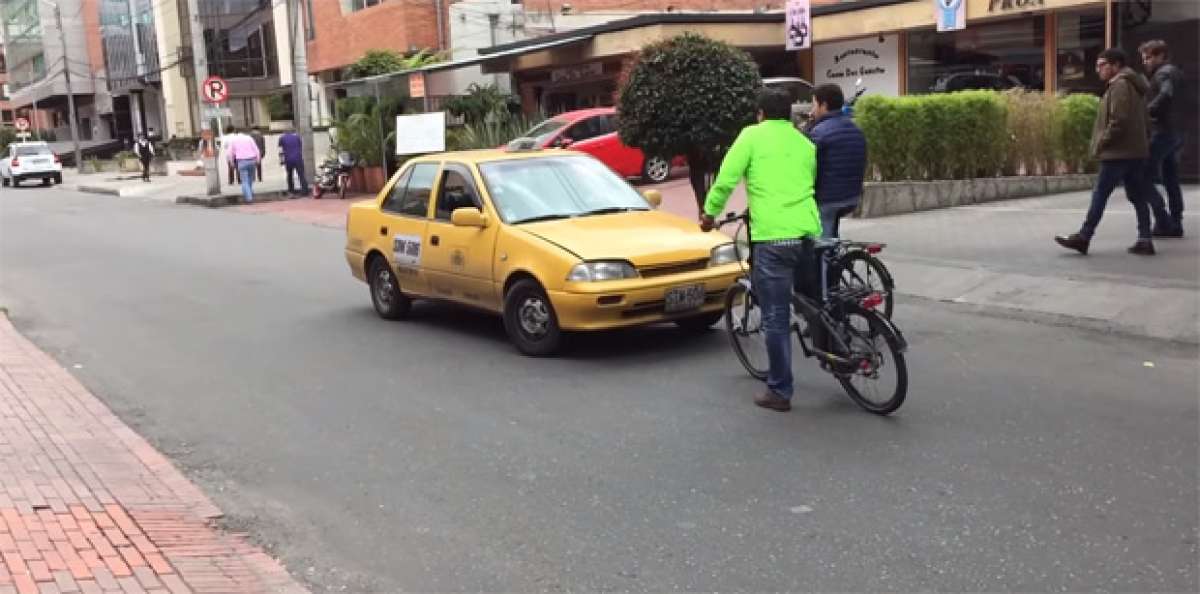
<point>144,149</point>
<point>841,158</point>
<point>1165,143</point>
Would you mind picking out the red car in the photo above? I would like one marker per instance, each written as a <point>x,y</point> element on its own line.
<point>594,131</point>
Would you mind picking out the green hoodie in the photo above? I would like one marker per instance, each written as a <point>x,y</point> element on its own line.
<point>780,168</point>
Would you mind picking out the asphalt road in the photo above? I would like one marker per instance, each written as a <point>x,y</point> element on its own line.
<point>427,455</point>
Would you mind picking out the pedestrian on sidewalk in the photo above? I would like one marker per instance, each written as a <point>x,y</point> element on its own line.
<point>144,149</point>
<point>1120,141</point>
<point>242,153</point>
<point>841,158</point>
<point>1165,143</point>
<point>261,143</point>
<point>291,148</point>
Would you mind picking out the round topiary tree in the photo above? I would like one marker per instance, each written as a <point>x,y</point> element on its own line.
<point>691,96</point>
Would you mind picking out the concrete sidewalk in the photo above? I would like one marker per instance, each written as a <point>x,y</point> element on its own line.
<point>1001,257</point>
<point>170,187</point>
<point>86,505</point>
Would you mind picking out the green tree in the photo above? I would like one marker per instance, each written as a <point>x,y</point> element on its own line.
<point>481,103</point>
<point>691,96</point>
<point>386,61</point>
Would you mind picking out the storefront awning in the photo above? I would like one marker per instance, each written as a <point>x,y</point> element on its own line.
<point>462,63</point>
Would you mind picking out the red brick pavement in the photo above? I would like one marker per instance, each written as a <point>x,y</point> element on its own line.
<point>87,505</point>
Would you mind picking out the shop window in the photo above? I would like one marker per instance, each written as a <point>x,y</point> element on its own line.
<point>1005,55</point>
<point>1080,41</point>
<point>349,6</point>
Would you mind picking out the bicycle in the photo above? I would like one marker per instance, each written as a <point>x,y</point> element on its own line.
<point>857,339</point>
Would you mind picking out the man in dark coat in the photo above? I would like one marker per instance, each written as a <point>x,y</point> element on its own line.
<point>1166,84</point>
<point>1121,143</point>
<point>841,158</point>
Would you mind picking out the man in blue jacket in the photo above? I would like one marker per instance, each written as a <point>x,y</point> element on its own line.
<point>841,157</point>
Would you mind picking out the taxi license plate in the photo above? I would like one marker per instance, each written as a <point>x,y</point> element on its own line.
<point>684,298</point>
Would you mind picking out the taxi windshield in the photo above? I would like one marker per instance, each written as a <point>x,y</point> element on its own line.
<point>528,190</point>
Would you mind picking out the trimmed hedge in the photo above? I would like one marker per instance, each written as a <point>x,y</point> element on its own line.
<point>972,134</point>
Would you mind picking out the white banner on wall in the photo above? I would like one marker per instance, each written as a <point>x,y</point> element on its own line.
<point>421,133</point>
<point>873,59</point>
<point>799,25</point>
<point>951,15</point>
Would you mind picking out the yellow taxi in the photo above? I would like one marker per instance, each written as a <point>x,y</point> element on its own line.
<point>553,241</point>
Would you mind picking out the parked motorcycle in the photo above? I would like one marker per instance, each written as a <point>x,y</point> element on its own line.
<point>333,175</point>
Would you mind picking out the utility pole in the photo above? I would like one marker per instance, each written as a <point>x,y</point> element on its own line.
<point>301,96</point>
<point>493,22</point>
<point>62,37</point>
<point>200,72</point>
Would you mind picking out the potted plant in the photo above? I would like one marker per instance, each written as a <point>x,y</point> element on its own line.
<point>128,161</point>
<point>366,129</point>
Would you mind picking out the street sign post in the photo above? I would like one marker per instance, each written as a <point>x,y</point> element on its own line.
<point>214,90</point>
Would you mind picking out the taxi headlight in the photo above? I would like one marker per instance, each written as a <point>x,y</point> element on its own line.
<point>723,254</point>
<point>592,272</point>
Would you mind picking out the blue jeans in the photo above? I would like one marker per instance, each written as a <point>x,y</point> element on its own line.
<point>831,218</point>
<point>246,169</point>
<point>1132,173</point>
<point>298,168</point>
<point>778,270</point>
<point>1163,167</point>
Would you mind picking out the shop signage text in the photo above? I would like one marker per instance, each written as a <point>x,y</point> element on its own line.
<point>574,73</point>
<point>1003,5</point>
<point>874,60</point>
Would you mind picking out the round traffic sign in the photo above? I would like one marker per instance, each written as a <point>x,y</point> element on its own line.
<point>214,89</point>
<point>22,124</point>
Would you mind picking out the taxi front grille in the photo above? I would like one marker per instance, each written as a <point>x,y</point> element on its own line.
<point>672,268</point>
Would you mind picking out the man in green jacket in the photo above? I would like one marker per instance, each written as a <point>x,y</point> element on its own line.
<point>779,165</point>
<point>1121,142</point>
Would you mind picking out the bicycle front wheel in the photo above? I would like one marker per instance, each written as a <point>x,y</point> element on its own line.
<point>744,323</point>
<point>879,383</point>
<point>860,269</point>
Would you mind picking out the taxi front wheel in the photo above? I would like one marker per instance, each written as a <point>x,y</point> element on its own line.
<point>389,302</point>
<point>530,320</point>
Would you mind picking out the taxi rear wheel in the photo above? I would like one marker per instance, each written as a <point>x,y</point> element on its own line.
<point>530,321</point>
<point>700,323</point>
<point>389,302</point>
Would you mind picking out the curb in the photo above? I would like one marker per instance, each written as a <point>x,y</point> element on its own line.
<point>223,200</point>
<point>99,190</point>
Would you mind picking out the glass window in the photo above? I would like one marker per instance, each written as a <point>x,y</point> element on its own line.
<point>392,202</point>
<point>526,190</point>
<point>349,6</point>
<point>457,191</point>
<point>545,130</point>
<point>415,201</point>
<point>239,38</point>
<point>1080,41</point>
<point>997,56</point>
<point>29,150</point>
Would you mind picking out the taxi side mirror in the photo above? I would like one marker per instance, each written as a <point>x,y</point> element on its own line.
<point>468,217</point>
<point>654,197</point>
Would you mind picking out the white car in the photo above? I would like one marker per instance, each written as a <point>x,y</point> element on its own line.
<point>30,160</point>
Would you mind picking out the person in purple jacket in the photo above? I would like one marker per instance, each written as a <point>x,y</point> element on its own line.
<point>291,146</point>
<point>841,158</point>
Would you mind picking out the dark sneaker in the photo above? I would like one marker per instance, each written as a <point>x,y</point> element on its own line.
<point>1143,247</point>
<point>1073,241</point>
<point>1172,233</point>
<point>773,401</point>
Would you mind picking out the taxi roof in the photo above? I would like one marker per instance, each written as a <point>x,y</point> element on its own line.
<point>487,155</point>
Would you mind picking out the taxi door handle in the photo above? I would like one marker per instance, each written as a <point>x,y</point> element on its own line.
<point>383,230</point>
<point>434,240</point>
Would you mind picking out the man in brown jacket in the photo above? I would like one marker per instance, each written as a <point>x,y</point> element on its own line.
<point>1120,141</point>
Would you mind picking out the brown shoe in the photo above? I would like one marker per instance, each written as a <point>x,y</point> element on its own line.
<point>1073,241</point>
<point>773,401</point>
<point>1143,247</point>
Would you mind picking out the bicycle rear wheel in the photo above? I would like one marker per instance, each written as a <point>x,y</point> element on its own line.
<point>860,269</point>
<point>879,383</point>
<point>743,321</point>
